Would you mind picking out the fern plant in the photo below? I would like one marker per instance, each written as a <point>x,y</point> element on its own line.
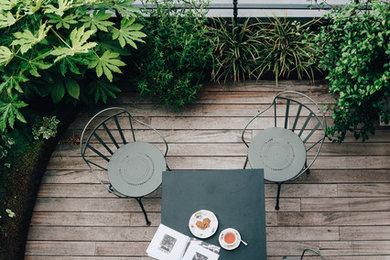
<point>65,49</point>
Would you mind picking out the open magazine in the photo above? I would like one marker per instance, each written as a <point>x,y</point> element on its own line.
<point>168,244</point>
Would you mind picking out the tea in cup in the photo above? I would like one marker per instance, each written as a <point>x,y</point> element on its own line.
<point>229,239</point>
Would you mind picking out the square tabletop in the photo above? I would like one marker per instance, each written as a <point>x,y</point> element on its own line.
<point>235,196</point>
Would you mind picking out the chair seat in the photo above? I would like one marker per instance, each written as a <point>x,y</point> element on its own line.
<point>135,169</point>
<point>279,151</point>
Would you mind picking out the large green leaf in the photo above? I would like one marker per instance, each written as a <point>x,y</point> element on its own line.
<point>71,64</point>
<point>34,65</point>
<point>9,112</point>
<point>6,19</point>
<point>63,5</point>
<point>79,44</point>
<point>27,39</point>
<point>57,92</point>
<point>11,83</point>
<point>126,8</point>
<point>101,90</point>
<point>128,33</point>
<point>5,55</point>
<point>60,22</point>
<point>73,88</point>
<point>106,63</point>
<point>97,20</point>
<point>32,6</point>
<point>6,5</point>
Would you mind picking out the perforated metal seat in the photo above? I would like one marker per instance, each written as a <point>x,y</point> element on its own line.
<point>294,128</point>
<point>134,168</point>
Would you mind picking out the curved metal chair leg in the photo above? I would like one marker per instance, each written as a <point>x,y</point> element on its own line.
<point>308,170</point>
<point>143,210</point>
<point>246,162</point>
<point>278,196</point>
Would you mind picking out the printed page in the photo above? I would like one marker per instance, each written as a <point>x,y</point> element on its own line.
<point>197,252</point>
<point>167,244</point>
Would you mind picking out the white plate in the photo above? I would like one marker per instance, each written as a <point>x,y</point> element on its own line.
<point>200,215</point>
<point>226,245</point>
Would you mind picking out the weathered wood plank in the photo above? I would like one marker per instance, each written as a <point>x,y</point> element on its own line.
<point>121,248</point>
<point>71,233</point>
<point>373,232</point>
<point>345,204</point>
<point>332,218</point>
<point>345,176</point>
<point>112,219</point>
<point>81,191</point>
<point>364,190</point>
<point>355,248</point>
<point>81,248</point>
<point>329,249</point>
<point>60,248</point>
<point>302,233</point>
<point>96,204</point>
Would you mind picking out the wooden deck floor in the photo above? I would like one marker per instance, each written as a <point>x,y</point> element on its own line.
<point>341,209</point>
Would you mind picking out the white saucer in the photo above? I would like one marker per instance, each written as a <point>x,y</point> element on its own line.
<point>199,216</point>
<point>226,245</point>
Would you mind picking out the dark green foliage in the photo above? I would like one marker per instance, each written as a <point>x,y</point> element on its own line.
<point>177,54</point>
<point>57,48</point>
<point>252,49</point>
<point>287,47</point>
<point>356,53</point>
<point>237,49</point>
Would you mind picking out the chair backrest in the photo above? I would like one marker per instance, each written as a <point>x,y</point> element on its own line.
<point>106,132</point>
<point>299,113</point>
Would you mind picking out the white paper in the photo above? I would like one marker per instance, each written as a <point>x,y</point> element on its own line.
<point>197,252</point>
<point>167,244</point>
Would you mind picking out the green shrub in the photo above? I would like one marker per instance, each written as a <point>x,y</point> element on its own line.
<point>47,127</point>
<point>356,51</point>
<point>287,47</point>
<point>52,47</point>
<point>236,49</point>
<point>177,54</point>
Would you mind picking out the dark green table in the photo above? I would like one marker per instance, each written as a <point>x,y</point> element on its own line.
<point>235,196</point>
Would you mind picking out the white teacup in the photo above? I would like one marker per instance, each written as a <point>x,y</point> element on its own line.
<point>229,238</point>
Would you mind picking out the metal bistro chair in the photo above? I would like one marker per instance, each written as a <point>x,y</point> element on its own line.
<point>294,130</point>
<point>134,168</point>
